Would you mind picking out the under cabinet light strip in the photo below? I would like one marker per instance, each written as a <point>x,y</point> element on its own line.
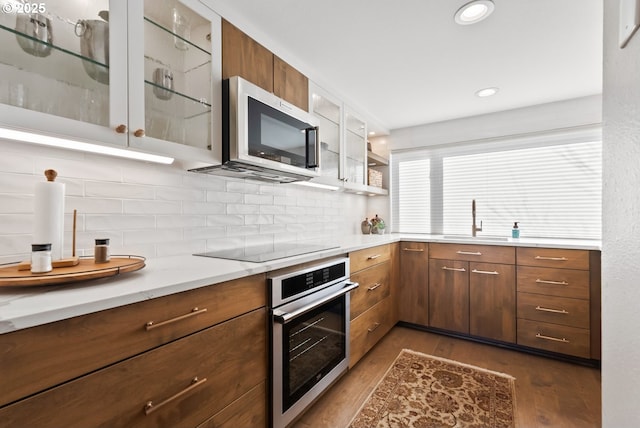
<point>46,140</point>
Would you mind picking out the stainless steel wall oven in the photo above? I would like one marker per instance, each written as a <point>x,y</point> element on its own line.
<point>309,335</point>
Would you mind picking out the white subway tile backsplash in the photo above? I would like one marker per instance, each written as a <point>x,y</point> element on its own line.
<point>118,190</point>
<point>225,197</point>
<point>93,205</point>
<point>225,219</point>
<point>177,220</point>
<point>15,204</point>
<point>209,232</point>
<point>152,207</point>
<point>258,219</point>
<point>203,207</point>
<point>258,199</point>
<point>180,194</point>
<point>118,222</point>
<point>242,209</point>
<point>155,210</point>
<point>16,223</point>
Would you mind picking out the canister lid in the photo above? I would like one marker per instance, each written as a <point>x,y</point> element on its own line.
<point>103,241</point>
<point>40,247</point>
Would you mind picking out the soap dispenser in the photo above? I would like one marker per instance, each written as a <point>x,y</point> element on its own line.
<point>515,232</point>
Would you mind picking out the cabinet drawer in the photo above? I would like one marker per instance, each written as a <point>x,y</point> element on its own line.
<point>554,282</point>
<point>159,387</point>
<point>362,259</point>
<point>250,410</point>
<point>473,253</point>
<point>374,286</point>
<point>40,357</point>
<point>556,310</point>
<point>369,328</point>
<point>553,257</point>
<point>554,338</point>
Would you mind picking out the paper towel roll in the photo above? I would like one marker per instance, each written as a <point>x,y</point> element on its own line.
<point>49,216</point>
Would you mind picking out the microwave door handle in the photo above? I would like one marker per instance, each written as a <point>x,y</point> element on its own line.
<point>315,163</point>
<point>284,317</point>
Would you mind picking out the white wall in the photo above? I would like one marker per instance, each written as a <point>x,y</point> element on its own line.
<point>545,117</point>
<point>158,210</point>
<point>621,228</point>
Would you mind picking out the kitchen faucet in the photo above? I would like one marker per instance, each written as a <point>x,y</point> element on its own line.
<point>474,228</point>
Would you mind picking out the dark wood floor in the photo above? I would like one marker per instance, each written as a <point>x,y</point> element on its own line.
<point>549,393</point>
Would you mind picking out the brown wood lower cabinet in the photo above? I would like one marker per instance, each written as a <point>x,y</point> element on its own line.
<point>413,289</point>
<point>449,295</point>
<point>369,328</point>
<point>247,411</point>
<point>180,384</point>
<point>492,301</point>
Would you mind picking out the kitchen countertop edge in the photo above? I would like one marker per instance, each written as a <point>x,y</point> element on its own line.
<point>24,307</point>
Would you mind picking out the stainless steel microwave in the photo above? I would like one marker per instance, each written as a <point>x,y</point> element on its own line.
<point>264,137</point>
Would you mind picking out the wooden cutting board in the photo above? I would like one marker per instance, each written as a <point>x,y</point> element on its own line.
<point>87,268</point>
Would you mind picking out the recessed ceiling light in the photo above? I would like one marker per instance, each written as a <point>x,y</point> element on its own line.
<point>487,92</point>
<point>474,11</point>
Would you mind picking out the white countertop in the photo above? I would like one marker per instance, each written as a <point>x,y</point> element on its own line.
<point>23,307</point>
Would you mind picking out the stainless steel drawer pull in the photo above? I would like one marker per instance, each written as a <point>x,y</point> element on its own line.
<point>417,250</point>
<point>454,269</point>
<point>557,259</point>
<point>544,281</point>
<point>150,407</point>
<point>374,286</point>
<point>375,256</point>
<point>555,311</point>
<point>555,339</point>
<point>375,326</point>
<point>486,272</point>
<point>195,311</point>
<point>469,253</point>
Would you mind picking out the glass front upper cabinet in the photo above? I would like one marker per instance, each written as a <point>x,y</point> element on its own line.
<point>177,73</point>
<point>55,58</point>
<point>329,112</point>
<point>142,74</point>
<point>355,149</point>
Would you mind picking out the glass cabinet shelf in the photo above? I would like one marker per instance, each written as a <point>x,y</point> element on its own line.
<point>54,82</point>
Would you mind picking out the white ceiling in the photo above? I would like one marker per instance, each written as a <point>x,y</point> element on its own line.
<point>406,62</point>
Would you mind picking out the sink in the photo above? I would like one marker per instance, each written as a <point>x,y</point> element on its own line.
<point>476,238</point>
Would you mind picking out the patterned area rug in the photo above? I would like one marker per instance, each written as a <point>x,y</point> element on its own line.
<point>423,391</point>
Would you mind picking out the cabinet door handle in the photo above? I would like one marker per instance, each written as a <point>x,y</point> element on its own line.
<point>555,311</point>
<point>150,407</point>
<point>417,250</point>
<point>555,339</point>
<point>375,326</point>
<point>121,129</point>
<point>557,259</point>
<point>469,253</point>
<point>544,281</point>
<point>485,272</point>
<point>139,133</point>
<point>454,269</point>
<point>375,256</point>
<point>374,286</point>
<point>195,311</point>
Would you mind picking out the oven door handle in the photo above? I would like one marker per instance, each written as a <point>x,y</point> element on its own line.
<point>284,317</point>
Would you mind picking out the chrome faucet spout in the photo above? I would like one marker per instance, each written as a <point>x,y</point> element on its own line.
<point>474,227</point>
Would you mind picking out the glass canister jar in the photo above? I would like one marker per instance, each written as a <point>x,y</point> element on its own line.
<point>101,251</point>
<point>41,258</point>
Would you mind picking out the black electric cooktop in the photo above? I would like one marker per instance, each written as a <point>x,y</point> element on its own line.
<point>266,252</point>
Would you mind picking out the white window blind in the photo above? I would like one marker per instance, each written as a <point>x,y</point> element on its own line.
<point>551,186</point>
<point>414,196</point>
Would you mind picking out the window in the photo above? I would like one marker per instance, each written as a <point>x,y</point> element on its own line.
<point>551,185</point>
